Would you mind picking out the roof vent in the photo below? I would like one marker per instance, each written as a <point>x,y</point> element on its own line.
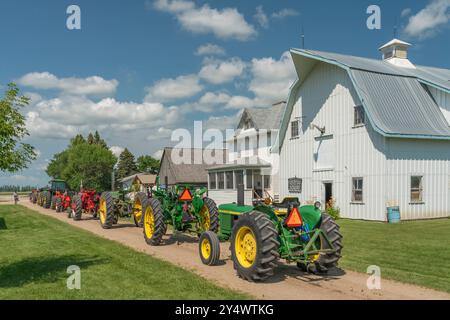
<point>396,52</point>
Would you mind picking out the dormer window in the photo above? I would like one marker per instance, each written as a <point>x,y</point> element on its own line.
<point>359,118</point>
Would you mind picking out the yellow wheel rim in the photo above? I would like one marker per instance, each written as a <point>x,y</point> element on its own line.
<point>206,249</point>
<point>205,222</point>
<point>102,210</point>
<point>149,223</point>
<point>245,247</point>
<point>137,210</point>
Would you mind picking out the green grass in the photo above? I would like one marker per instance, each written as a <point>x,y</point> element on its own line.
<point>36,251</point>
<point>415,252</point>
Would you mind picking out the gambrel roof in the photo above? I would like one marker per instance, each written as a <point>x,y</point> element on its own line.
<point>395,99</point>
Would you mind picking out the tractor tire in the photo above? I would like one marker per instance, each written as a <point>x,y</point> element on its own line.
<point>47,200</point>
<point>140,201</point>
<point>58,205</point>
<point>154,226</point>
<point>77,208</point>
<point>254,246</point>
<point>53,203</point>
<point>331,229</point>
<point>34,198</point>
<point>211,206</point>
<point>106,210</point>
<point>209,248</point>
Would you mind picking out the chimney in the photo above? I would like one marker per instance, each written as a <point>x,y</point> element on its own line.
<point>396,53</point>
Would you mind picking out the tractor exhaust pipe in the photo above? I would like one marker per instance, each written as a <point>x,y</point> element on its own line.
<point>240,194</point>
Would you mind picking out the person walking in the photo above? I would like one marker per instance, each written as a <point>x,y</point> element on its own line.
<point>16,197</point>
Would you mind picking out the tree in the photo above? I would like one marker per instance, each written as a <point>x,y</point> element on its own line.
<point>14,154</point>
<point>148,164</point>
<point>127,165</point>
<point>98,140</point>
<point>90,163</point>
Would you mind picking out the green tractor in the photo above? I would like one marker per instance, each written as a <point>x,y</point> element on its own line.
<point>45,196</point>
<point>115,205</point>
<point>262,234</point>
<point>184,207</point>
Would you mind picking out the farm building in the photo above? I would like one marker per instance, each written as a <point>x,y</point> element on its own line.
<point>139,182</point>
<point>250,161</point>
<point>188,166</point>
<point>369,134</point>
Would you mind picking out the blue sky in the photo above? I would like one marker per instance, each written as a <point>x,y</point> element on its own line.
<point>139,69</point>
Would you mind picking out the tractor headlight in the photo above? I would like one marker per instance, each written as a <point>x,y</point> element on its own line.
<point>317,205</point>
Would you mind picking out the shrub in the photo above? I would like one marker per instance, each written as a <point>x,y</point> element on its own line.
<point>332,210</point>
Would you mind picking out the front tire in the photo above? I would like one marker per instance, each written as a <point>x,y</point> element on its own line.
<point>140,201</point>
<point>154,226</point>
<point>47,200</point>
<point>53,203</point>
<point>209,216</point>
<point>58,205</point>
<point>106,210</point>
<point>254,246</point>
<point>209,248</point>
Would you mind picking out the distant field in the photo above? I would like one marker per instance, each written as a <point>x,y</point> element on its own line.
<point>11,193</point>
<point>33,265</point>
<point>415,252</point>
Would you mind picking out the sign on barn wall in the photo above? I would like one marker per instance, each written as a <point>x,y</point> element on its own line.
<point>295,185</point>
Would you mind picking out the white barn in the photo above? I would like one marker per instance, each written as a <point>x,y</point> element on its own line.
<point>370,134</point>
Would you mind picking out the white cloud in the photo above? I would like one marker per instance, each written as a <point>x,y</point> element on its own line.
<point>405,12</point>
<point>116,150</point>
<point>94,85</point>
<point>222,122</point>
<point>210,49</point>
<point>211,98</point>
<point>158,154</point>
<point>261,17</point>
<point>66,116</point>
<point>227,23</point>
<point>159,134</point>
<point>272,78</point>
<point>174,89</point>
<point>428,21</point>
<point>219,72</point>
<point>22,179</point>
<point>284,13</point>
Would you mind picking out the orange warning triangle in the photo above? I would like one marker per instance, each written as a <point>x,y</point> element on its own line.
<point>294,220</point>
<point>186,195</point>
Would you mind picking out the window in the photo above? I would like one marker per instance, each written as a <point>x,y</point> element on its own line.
<point>359,116</point>
<point>357,192</point>
<point>230,180</point>
<point>267,182</point>
<point>294,129</point>
<point>247,143</point>
<point>212,181</point>
<point>235,145</point>
<point>221,179</point>
<point>239,177</point>
<point>249,179</point>
<point>416,189</point>
<point>269,138</point>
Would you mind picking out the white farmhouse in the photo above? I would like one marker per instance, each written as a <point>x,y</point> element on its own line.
<point>370,134</point>
<point>250,161</point>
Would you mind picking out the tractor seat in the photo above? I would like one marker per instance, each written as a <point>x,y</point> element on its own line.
<point>287,202</point>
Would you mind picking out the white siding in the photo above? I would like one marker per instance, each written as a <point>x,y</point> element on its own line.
<point>327,98</point>
<point>430,159</point>
<point>229,196</point>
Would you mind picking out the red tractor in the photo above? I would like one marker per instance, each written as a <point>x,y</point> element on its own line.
<point>84,202</point>
<point>61,201</point>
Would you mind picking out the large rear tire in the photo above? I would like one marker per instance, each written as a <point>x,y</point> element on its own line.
<point>106,210</point>
<point>77,208</point>
<point>331,229</point>
<point>254,246</point>
<point>53,203</point>
<point>140,201</point>
<point>209,216</point>
<point>154,226</point>
<point>47,200</point>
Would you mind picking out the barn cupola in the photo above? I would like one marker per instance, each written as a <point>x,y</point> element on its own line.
<point>396,53</point>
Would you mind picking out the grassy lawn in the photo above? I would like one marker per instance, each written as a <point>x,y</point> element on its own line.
<point>36,251</point>
<point>415,252</point>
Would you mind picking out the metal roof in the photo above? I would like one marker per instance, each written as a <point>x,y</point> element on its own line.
<point>394,98</point>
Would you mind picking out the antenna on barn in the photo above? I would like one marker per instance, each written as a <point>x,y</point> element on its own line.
<point>395,32</point>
